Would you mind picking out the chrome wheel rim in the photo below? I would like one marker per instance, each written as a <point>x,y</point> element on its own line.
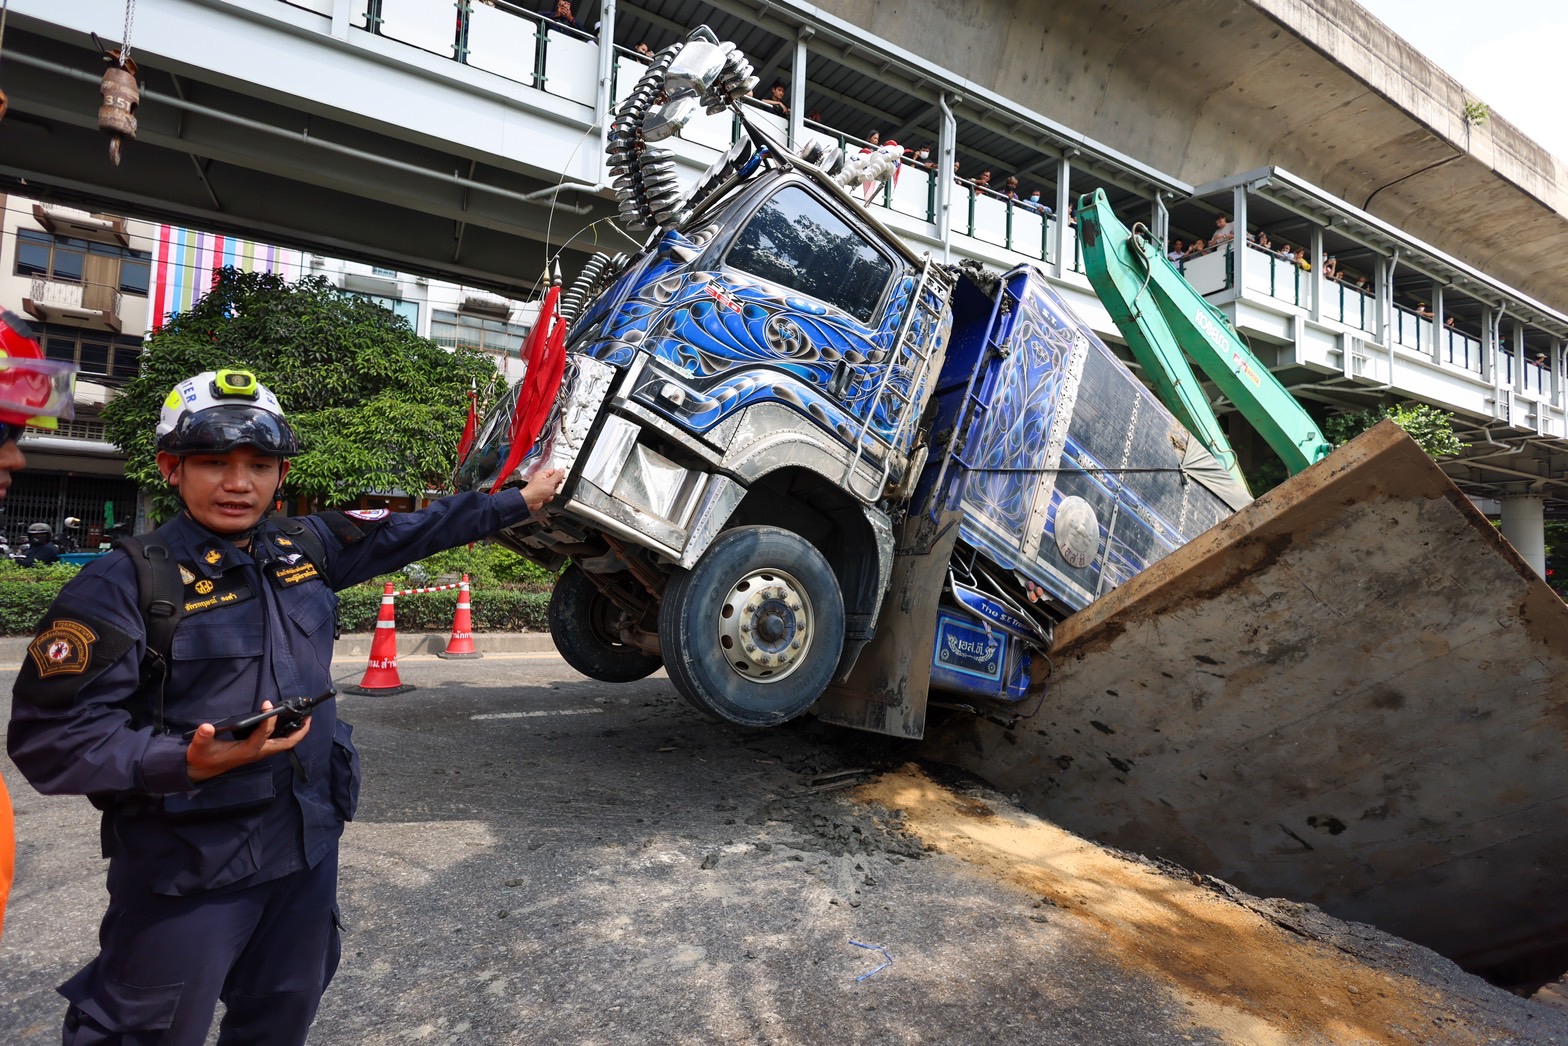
<point>765,625</point>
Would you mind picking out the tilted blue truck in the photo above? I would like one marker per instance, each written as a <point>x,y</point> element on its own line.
<point>776,414</point>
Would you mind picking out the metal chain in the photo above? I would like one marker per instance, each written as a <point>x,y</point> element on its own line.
<point>125,38</point>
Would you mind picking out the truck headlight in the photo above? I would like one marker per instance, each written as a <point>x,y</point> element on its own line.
<point>638,476</point>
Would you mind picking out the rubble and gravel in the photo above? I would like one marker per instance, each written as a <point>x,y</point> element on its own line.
<point>610,868</point>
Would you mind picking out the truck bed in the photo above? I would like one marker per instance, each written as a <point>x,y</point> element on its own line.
<point>1348,693</point>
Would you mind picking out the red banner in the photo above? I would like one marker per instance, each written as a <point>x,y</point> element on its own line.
<point>534,398</point>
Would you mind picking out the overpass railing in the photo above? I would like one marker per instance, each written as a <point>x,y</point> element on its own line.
<point>1462,351</point>
<point>532,49</point>
<point>497,36</point>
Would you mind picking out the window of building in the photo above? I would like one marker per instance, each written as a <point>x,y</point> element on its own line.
<point>52,257</point>
<point>135,272</point>
<point>470,331</point>
<point>33,251</point>
<point>795,241</point>
<point>99,354</point>
<point>66,258</point>
<point>409,310</point>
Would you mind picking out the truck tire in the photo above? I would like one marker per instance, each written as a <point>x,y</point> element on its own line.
<point>753,633</point>
<point>583,626</point>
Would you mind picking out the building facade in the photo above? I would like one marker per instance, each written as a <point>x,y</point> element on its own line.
<point>94,285</point>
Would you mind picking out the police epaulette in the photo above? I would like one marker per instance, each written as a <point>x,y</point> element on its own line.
<point>343,528</point>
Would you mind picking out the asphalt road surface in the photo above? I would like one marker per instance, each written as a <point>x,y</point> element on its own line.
<point>540,858</point>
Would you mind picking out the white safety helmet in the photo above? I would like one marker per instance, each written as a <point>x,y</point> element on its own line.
<point>216,411</point>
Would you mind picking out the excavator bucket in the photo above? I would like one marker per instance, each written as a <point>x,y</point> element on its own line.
<point>1349,693</point>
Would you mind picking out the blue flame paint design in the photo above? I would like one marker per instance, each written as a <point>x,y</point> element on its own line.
<point>739,341</point>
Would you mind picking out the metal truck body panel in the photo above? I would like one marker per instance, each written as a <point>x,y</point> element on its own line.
<point>1348,693</point>
<point>1071,474</point>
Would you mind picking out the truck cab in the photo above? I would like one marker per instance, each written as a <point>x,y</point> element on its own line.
<point>739,416</point>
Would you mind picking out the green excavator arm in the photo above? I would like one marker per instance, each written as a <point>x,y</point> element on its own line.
<point>1166,323</point>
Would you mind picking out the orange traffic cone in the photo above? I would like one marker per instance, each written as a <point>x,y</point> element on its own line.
<point>461,645</point>
<point>381,674</point>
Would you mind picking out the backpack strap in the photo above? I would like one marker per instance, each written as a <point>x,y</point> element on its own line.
<point>158,595</point>
<point>314,549</point>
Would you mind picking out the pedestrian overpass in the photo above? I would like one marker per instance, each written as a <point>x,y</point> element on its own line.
<point>464,140</point>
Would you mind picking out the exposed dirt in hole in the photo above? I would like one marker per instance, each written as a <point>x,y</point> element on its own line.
<point>1255,971</point>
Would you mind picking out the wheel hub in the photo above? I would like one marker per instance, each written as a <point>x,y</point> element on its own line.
<point>765,625</point>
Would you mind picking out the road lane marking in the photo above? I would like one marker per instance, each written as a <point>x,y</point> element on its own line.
<point>530,715</point>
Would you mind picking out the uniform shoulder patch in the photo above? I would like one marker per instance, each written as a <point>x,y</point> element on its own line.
<point>68,653</point>
<point>367,515</point>
<point>64,647</point>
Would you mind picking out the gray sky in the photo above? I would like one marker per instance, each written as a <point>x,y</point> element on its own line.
<point>1507,52</point>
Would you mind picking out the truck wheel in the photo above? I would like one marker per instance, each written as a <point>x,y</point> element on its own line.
<point>584,625</point>
<point>753,632</point>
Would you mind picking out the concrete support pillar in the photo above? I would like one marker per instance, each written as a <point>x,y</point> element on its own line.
<point>1516,342</point>
<point>1524,525</point>
<point>342,19</point>
<point>1555,360</point>
<point>604,101</point>
<point>1489,369</point>
<point>1382,295</point>
<point>797,88</point>
<point>947,144</point>
<point>1315,302</point>
<point>1439,345</point>
<point>1238,244</point>
<point>1064,208</point>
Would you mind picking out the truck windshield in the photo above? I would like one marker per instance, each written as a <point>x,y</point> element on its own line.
<point>795,241</point>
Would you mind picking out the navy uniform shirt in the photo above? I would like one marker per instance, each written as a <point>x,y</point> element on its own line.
<point>256,626</point>
<point>44,552</point>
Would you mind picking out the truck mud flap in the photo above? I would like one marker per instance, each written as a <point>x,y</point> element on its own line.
<point>886,690</point>
<point>1350,693</point>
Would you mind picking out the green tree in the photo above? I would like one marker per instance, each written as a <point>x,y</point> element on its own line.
<point>376,407</point>
<point>1432,429</point>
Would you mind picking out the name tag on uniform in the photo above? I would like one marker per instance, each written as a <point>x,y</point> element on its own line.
<point>287,575</point>
<point>210,593</point>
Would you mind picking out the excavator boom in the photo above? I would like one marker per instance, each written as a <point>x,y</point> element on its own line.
<point>1167,323</point>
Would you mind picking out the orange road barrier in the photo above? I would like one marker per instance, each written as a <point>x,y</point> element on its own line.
<point>461,645</point>
<point>381,673</point>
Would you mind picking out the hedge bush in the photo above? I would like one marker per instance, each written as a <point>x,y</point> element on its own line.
<point>25,593</point>
<point>494,610</point>
<point>487,566</point>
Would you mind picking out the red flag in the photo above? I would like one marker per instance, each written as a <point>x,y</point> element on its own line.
<point>544,382</point>
<point>465,444</point>
<point>536,350</point>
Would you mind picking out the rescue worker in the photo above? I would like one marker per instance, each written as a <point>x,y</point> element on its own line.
<point>223,851</point>
<point>41,549</point>
<point>33,391</point>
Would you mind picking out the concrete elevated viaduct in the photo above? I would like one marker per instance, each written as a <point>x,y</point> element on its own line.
<point>1204,89</point>
<point>390,132</point>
